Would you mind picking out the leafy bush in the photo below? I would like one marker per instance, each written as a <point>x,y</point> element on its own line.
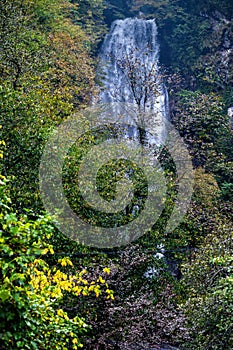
<point>209,286</point>
<point>32,315</point>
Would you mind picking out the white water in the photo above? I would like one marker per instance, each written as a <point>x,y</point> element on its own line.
<point>131,78</point>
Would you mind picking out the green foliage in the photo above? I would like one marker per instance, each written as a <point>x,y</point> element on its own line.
<point>202,120</point>
<point>194,38</point>
<point>117,9</point>
<point>27,119</point>
<point>227,190</point>
<point>46,72</point>
<point>204,124</point>
<point>90,15</point>
<point>209,284</point>
<point>209,7</point>
<point>108,178</point>
<point>32,293</point>
<point>21,43</point>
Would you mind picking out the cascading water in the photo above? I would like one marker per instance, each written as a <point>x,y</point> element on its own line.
<point>129,64</point>
<point>130,77</point>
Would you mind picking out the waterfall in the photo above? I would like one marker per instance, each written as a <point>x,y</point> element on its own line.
<point>130,76</point>
<point>132,83</point>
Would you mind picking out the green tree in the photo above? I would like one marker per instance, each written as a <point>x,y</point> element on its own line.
<point>89,15</point>
<point>46,73</point>
<point>202,121</point>
<point>209,286</point>
<point>33,313</point>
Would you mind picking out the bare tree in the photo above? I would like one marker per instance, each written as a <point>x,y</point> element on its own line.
<point>140,86</point>
<point>142,77</point>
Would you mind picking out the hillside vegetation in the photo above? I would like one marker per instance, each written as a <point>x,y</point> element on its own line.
<point>56,293</point>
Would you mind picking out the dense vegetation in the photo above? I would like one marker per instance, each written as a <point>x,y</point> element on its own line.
<point>58,294</point>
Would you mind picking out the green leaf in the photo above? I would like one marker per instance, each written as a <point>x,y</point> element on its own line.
<point>4,295</point>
